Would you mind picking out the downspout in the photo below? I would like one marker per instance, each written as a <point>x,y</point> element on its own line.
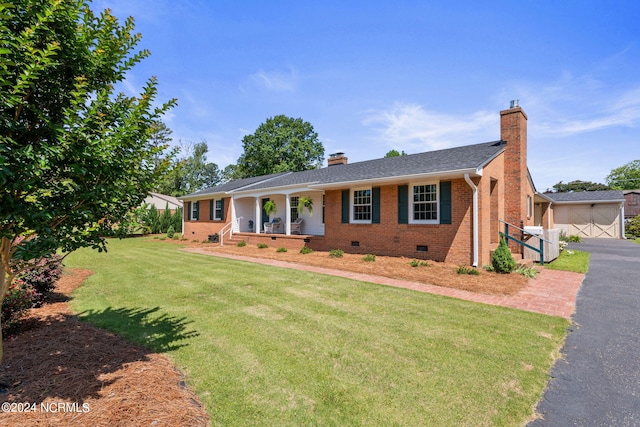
<point>475,218</point>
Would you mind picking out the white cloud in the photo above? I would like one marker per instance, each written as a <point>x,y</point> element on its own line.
<point>408,126</point>
<point>274,81</point>
<point>577,105</point>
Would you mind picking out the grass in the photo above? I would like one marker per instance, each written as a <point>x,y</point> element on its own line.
<point>637,240</point>
<point>268,346</point>
<point>571,260</point>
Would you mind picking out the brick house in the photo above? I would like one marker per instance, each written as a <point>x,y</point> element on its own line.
<point>443,205</point>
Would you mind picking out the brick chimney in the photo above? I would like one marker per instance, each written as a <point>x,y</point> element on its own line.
<point>513,130</point>
<point>337,159</point>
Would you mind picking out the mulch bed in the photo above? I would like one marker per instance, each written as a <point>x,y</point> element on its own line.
<point>59,371</point>
<point>436,273</point>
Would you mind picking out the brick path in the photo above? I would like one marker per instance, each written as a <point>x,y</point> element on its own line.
<point>552,292</point>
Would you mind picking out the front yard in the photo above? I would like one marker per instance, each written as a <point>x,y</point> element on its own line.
<point>268,346</point>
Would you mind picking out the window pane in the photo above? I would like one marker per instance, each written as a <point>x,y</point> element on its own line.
<point>362,205</point>
<point>425,198</point>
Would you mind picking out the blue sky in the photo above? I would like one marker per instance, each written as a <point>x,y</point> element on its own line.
<point>372,76</point>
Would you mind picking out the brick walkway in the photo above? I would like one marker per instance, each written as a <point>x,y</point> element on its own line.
<point>552,292</point>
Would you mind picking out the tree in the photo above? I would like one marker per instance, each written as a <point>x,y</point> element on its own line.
<point>625,177</point>
<point>395,153</point>
<point>75,156</point>
<point>578,185</point>
<point>281,144</point>
<point>190,173</point>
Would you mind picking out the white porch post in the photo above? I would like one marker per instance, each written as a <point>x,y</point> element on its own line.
<point>287,226</point>
<point>258,224</point>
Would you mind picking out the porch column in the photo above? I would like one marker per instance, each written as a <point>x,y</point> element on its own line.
<point>258,224</point>
<point>287,224</point>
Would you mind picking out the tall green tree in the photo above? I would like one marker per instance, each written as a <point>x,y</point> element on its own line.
<point>395,153</point>
<point>75,156</point>
<point>281,144</point>
<point>578,185</point>
<point>191,172</point>
<point>626,177</point>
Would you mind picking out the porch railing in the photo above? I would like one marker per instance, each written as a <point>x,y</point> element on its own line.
<point>522,241</point>
<point>228,228</point>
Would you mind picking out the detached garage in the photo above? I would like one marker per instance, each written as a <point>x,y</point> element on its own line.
<point>589,213</point>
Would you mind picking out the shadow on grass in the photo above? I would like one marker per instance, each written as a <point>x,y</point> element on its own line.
<point>145,326</point>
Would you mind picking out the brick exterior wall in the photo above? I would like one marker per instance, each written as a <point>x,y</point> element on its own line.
<point>201,228</point>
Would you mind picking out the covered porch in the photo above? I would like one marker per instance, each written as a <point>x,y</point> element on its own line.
<point>279,214</point>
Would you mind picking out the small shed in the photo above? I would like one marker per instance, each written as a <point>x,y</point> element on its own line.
<point>589,213</point>
<point>631,203</point>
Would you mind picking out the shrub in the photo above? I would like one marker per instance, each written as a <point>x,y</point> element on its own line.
<point>633,226</point>
<point>336,253</point>
<point>20,297</point>
<point>305,250</point>
<point>262,246</point>
<point>502,260</point>
<point>281,250</point>
<point>463,269</point>
<point>570,238</point>
<point>369,258</point>
<point>41,275</point>
<point>416,263</point>
<point>528,272</point>
<point>241,244</point>
<point>171,232</point>
<point>488,267</point>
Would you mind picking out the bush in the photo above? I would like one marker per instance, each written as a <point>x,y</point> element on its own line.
<point>528,272</point>
<point>262,246</point>
<point>571,238</point>
<point>41,275</point>
<point>502,260</point>
<point>416,263</point>
<point>241,244</point>
<point>305,250</point>
<point>633,226</point>
<point>336,253</point>
<point>281,250</point>
<point>19,299</point>
<point>369,258</point>
<point>463,269</point>
<point>171,232</point>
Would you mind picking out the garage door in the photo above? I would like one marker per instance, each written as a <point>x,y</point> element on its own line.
<point>596,221</point>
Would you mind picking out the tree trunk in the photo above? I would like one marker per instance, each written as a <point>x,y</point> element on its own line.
<point>5,278</point>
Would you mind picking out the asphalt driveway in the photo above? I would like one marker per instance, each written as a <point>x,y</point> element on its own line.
<point>597,383</point>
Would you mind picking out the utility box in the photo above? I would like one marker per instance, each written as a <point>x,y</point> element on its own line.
<point>551,245</point>
<point>214,238</point>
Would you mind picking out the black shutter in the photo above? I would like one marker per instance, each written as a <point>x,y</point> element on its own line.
<point>345,206</point>
<point>403,204</point>
<point>375,205</point>
<point>188,212</point>
<point>445,202</point>
<point>211,206</point>
<point>222,209</point>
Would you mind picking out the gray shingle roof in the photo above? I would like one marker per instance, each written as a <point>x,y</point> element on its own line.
<point>234,185</point>
<point>432,162</point>
<point>586,196</point>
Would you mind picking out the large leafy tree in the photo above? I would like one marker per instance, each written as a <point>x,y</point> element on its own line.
<point>281,144</point>
<point>578,185</point>
<point>191,172</point>
<point>75,156</point>
<point>625,177</point>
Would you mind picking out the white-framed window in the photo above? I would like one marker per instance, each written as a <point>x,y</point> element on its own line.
<point>361,206</point>
<point>217,210</point>
<point>195,206</point>
<point>295,201</point>
<point>424,203</point>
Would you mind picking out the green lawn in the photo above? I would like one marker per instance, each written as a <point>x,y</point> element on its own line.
<point>268,346</point>
<point>571,260</point>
